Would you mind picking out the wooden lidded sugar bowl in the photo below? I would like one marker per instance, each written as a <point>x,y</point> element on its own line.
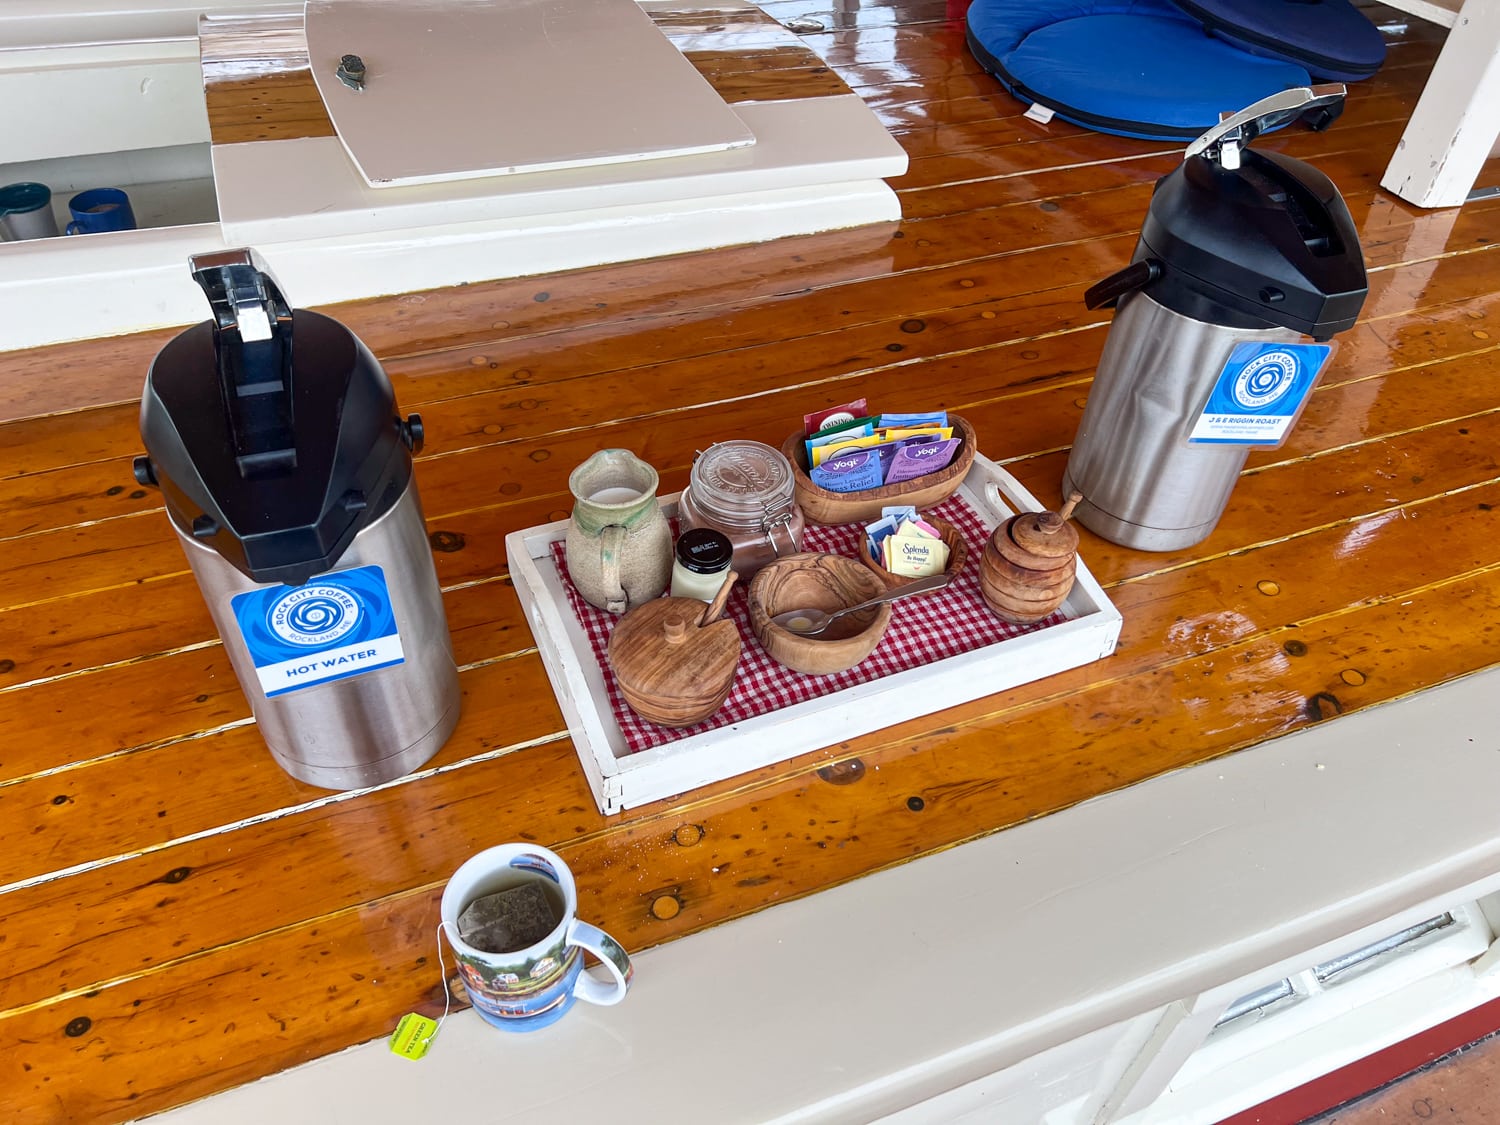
<point>1028,565</point>
<point>675,658</point>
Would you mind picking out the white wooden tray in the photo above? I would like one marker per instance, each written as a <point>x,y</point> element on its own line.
<point>622,780</point>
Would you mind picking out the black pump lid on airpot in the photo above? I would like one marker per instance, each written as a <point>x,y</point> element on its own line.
<point>1248,239</point>
<point>272,433</point>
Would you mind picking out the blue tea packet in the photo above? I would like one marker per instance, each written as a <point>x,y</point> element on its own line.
<point>902,421</point>
<point>849,472</point>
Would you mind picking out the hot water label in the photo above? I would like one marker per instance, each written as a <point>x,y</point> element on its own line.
<point>1258,394</point>
<point>333,627</point>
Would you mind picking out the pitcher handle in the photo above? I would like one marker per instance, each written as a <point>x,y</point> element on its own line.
<point>611,539</point>
<point>614,958</point>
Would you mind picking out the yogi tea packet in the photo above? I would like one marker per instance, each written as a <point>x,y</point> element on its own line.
<point>851,451</point>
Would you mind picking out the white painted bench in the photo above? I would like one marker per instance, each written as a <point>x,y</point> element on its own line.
<point>1457,119</point>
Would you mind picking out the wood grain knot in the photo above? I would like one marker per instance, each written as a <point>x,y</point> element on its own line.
<point>77,1027</point>
<point>1352,676</point>
<point>1323,706</point>
<point>447,541</point>
<point>916,804</point>
<point>666,907</point>
<point>1268,588</point>
<point>843,773</point>
<point>1294,648</point>
<point>687,835</point>
<point>176,875</point>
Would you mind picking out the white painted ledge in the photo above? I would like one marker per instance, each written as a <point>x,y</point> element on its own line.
<point>818,164</point>
<point>279,191</point>
<point>1060,941</point>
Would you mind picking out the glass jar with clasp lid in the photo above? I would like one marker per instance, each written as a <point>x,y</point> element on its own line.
<point>745,490</point>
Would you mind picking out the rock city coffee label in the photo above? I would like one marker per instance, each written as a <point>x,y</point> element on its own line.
<point>332,627</point>
<point>1257,396</point>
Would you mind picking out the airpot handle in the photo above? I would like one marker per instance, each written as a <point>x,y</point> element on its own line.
<point>1222,143</point>
<point>252,325</point>
<point>1107,293</point>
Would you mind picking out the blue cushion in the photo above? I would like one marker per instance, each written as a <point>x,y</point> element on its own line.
<point>1331,38</point>
<point>1139,68</point>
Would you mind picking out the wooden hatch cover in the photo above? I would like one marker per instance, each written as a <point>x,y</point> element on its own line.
<point>456,89</point>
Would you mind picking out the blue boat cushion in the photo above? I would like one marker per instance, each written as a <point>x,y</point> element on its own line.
<point>1139,68</point>
<point>1331,38</point>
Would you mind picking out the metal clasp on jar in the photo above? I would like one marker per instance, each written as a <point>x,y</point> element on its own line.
<point>779,517</point>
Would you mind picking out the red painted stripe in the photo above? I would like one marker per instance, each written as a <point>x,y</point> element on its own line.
<point>1373,1071</point>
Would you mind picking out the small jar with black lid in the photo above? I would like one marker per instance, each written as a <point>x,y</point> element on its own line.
<point>700,563</point>
<point>744,489</point>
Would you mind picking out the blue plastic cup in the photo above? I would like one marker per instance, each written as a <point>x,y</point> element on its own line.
<point>100,209</point>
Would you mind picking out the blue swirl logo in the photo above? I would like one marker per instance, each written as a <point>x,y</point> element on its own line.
<point>1265,379</point>
<point>313,615</point>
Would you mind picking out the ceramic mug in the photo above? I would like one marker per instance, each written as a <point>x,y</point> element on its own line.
<point>26,211</point>
<point>619,544</point>
<point>533,987</point>
<point>100,209</point>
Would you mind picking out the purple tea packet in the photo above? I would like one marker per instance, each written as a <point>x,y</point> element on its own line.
<point>918,458</point>
<point>848,472</point>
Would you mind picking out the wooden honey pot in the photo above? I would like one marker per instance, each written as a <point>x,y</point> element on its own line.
<point>1028,565</point>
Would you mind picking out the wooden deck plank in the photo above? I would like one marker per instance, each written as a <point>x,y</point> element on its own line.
<point>477,629</point>
<point>179,915</point>
<point>978,783</point>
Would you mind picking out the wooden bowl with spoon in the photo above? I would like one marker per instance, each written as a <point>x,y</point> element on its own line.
<point>821,614</point>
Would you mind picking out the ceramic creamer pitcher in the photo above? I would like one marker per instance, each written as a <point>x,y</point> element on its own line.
<point>619,546</point>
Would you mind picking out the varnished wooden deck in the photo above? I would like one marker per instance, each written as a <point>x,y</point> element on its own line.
<point>176,915</point>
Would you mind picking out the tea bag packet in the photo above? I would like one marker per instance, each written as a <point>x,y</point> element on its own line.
<point>937,419</point>
<point>918,458</point>
<point>833,417</point>
<point>837,438</point>
<point>507,920</point>
<point>853,471</point>
<point>899,446</point>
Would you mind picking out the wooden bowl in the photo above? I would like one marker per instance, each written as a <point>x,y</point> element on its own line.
<point>958,555</point>
<point>817,581</point>
<point>824,507</point>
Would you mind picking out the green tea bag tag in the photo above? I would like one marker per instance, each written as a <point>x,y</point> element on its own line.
<point>413,1035</point>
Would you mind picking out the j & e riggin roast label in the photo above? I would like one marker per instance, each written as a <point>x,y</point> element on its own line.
<point>1257,396</point>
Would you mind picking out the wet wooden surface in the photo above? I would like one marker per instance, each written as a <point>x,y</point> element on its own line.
<point>177,915</point>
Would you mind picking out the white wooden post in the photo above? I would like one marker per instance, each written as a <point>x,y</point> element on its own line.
<point>1458,117</point>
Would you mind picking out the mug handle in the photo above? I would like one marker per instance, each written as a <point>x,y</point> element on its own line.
<point>613,957</point>
<point>76,228</point>
<point>611,539</point>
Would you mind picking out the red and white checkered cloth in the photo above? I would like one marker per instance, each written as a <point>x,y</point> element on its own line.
<point>923,629</point>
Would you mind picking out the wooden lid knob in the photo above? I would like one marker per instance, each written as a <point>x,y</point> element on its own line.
<point>1047,534</point>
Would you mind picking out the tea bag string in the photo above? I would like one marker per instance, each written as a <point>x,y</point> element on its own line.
<point>447,992</point>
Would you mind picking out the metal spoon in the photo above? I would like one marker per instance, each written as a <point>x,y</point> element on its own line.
<point>811,622</point>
